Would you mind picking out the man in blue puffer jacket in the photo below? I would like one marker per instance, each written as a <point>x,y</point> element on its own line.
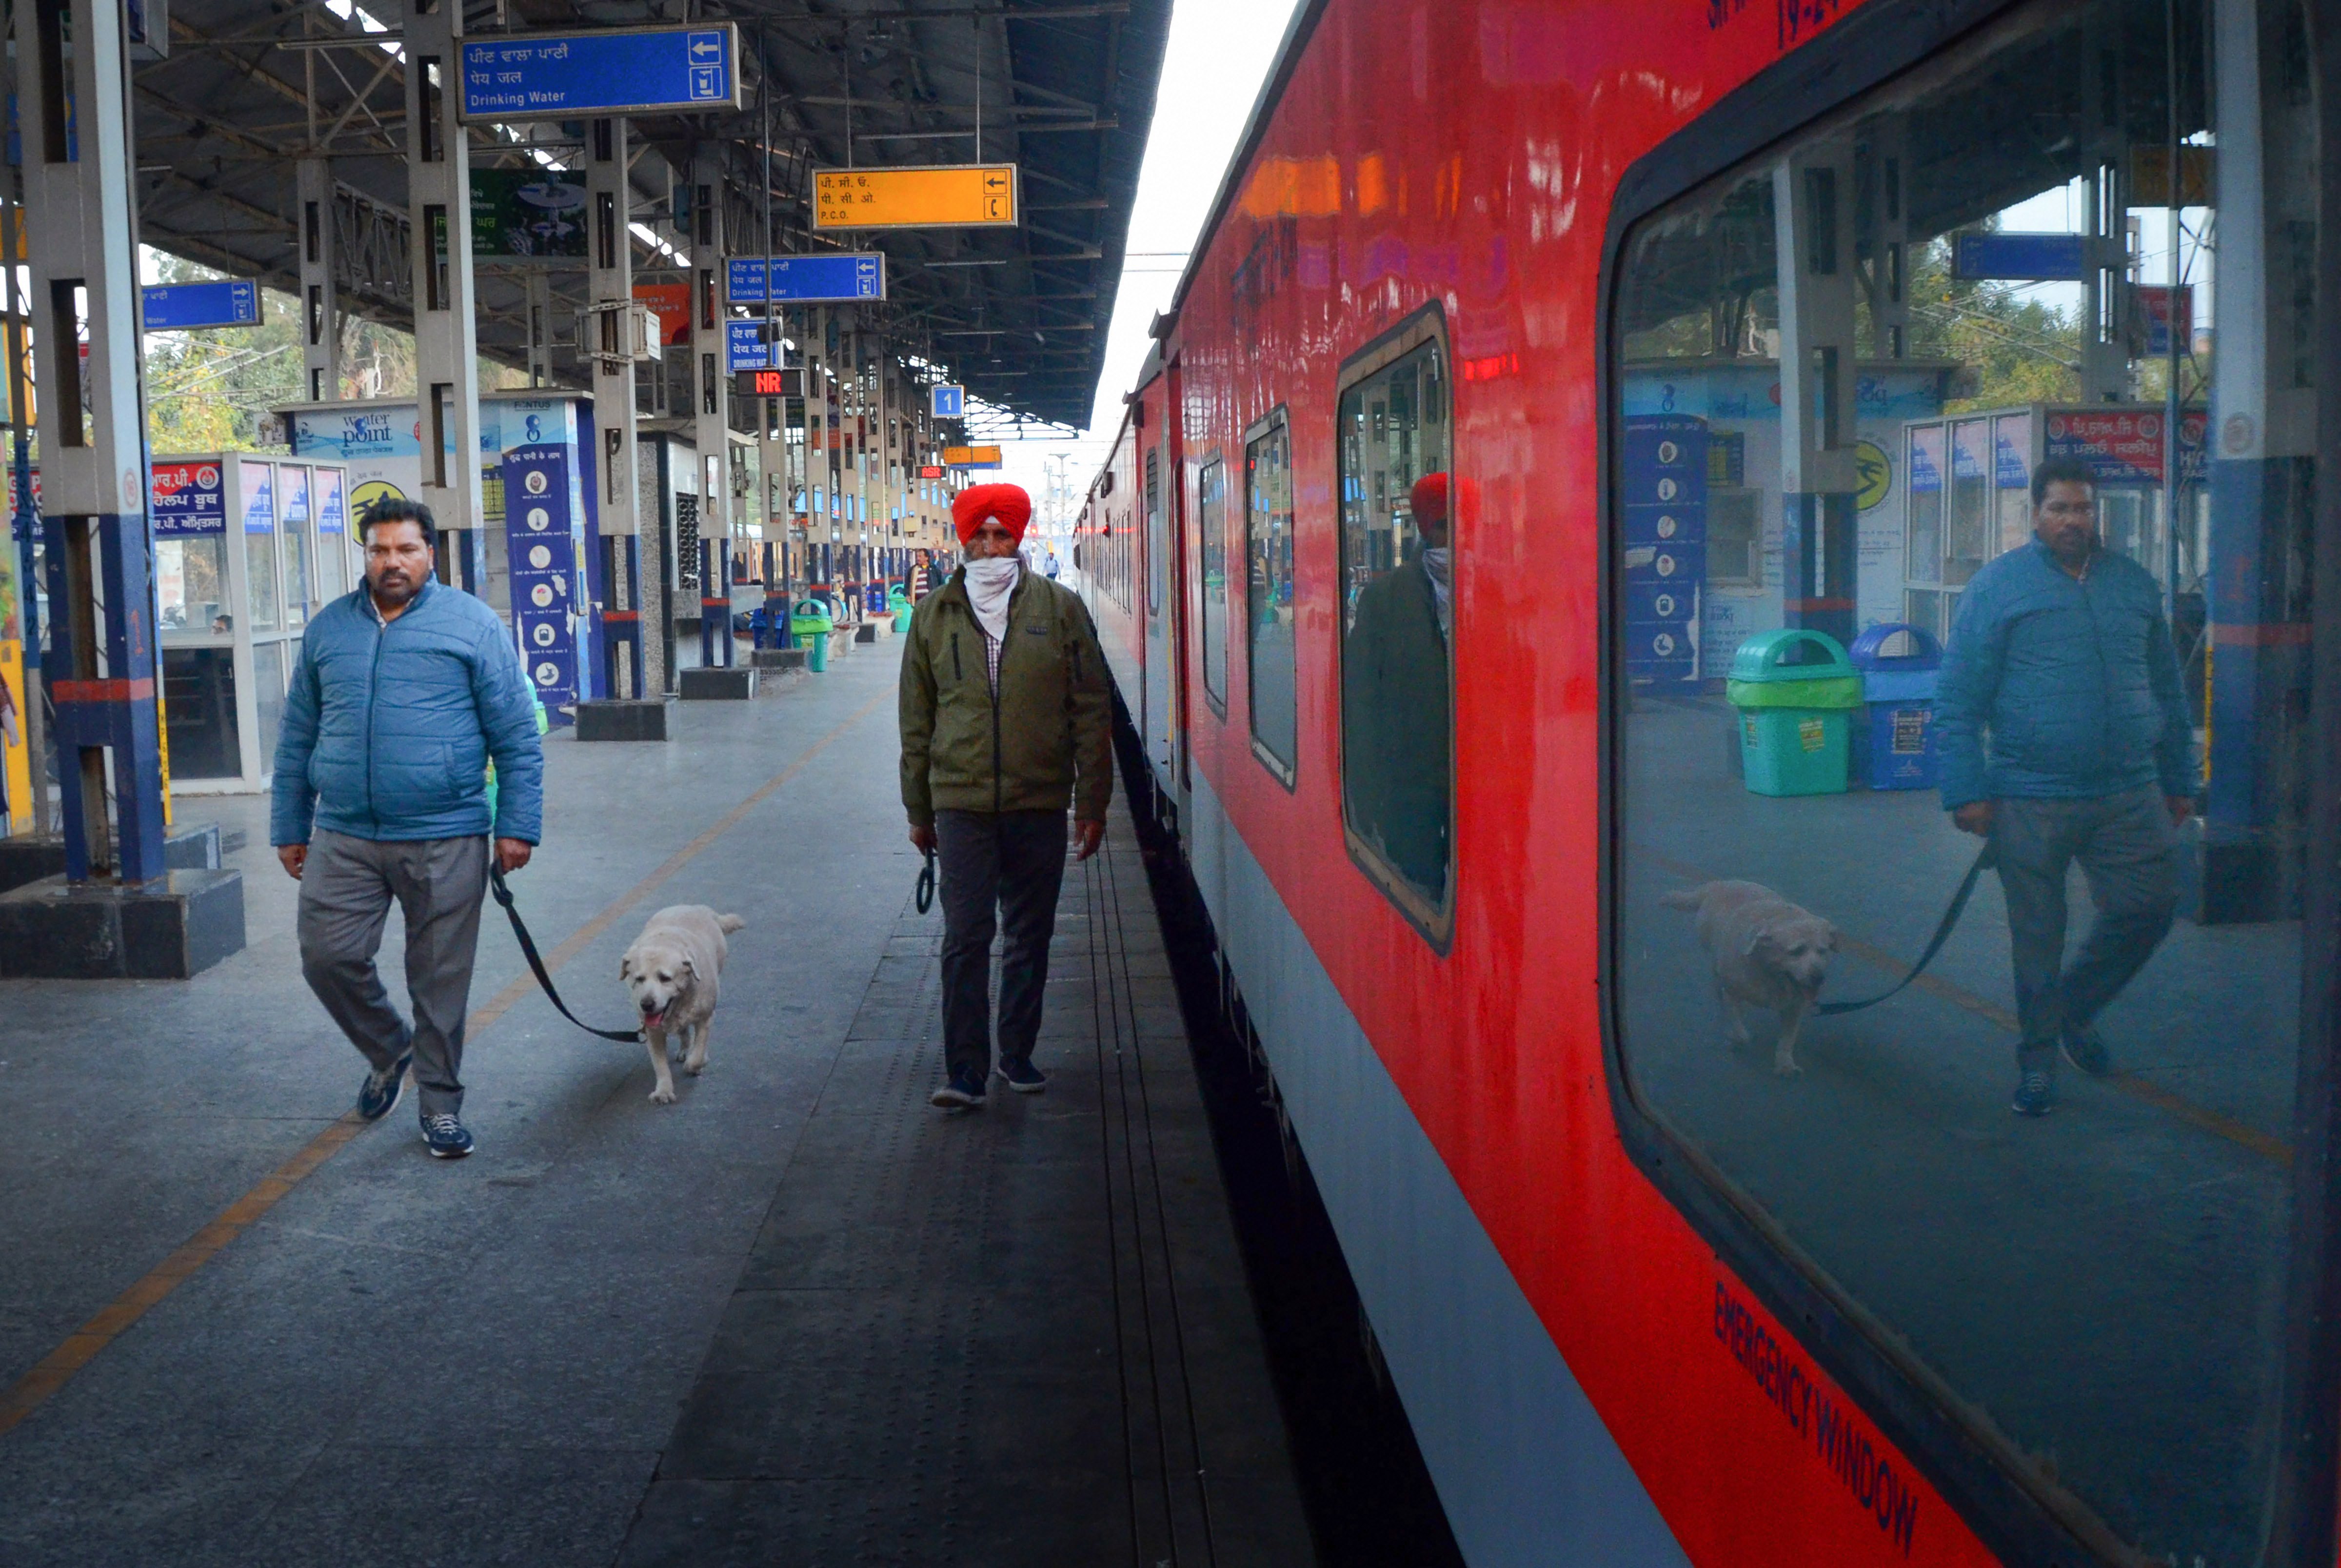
<point>2062,653</point>
<point>403,691</point>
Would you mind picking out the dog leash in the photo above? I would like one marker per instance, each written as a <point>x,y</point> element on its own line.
<point>528,950</point>
<point>1983,862</point>
<point>926,890</point>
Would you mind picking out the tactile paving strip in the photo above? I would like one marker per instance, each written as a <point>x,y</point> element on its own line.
<point>965,1337</point>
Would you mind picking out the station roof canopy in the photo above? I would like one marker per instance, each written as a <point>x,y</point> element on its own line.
<point>1064,89</point>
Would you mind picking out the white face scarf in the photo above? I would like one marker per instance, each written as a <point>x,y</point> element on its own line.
<point>1435,565</point>
<point>989,582</point>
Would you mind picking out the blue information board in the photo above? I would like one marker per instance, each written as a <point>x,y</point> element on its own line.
<point>948,402</point>
<point>806,280</point>
<point>1663,482</point>
<point>2019,258</point>
<point>569,76</point>
<point>189,307</point>
<point>545,552</point>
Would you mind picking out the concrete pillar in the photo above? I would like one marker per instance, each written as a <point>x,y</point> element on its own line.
<point>2262,438</point>
<point>711,407</point>
<point>79,203</point>
<point>1812,206</point>
<point>538,304</point>
<point>637,578</point>
<point>446,337</point>
<point>1886,281</point>
<point>321,318</point>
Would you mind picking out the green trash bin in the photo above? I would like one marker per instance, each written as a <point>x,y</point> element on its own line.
<point>811,621</point>
<point>1797,694</point>
<point>900,603</point>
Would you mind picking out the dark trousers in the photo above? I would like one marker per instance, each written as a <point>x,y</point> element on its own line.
<point>346,890</point>
<point>2129,851</point>
<point>1000,871</point>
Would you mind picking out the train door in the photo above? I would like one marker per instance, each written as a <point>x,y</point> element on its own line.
<point>1172,449</point>
<point>1152,475</point>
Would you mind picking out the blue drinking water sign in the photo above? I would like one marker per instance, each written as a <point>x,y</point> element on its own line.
<point>806,280</point>
<point>745,347</point>
<point>2020,258</point>
<point>948,402</point>
<point>572,76</point>
<point>190,307</point>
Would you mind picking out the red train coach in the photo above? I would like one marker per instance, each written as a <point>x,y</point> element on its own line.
<point>1552,385</point>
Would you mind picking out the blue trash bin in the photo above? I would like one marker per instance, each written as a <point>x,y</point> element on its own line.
<point>1895,746</point>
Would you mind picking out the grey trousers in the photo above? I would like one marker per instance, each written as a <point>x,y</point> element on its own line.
<point>2129,851</point>
<point>998,870</point>
<point>346,889</point>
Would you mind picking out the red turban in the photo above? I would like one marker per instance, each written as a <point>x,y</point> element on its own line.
<point>1429,498</point>
<point>1008,503</point>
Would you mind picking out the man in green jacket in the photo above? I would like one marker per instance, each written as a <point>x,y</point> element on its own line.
<point>1005,723</point>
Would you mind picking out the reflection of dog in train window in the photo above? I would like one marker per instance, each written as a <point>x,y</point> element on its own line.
<point>1767,953</point>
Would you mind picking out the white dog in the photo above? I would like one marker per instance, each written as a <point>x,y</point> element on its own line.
<point>1767,953</point>
<point>671,971</point>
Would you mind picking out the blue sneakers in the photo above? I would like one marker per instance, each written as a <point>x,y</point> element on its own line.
<point>445,1137</point>
<point>1019,1074</point>
<point>2084,1048</point>
<point>2036,1094</point>
<point>381,1091</point>
<point>964,1092</point>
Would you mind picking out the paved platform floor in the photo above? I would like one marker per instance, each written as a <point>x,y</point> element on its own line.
<point>797,1317</point>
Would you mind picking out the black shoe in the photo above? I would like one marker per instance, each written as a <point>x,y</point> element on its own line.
<point>2036,1094</point>
<point>964,1092</point>
<point>382,1090</point>
<point>445,1137</point>
<point>1019,1074</point>
<point>2084,1048</point>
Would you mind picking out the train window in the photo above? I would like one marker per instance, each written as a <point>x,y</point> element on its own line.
<point>1268,594</point>
<point>1211,526</point>
<point>1973,343</point>
<point>1156,545</point>
<point>1397,622</point>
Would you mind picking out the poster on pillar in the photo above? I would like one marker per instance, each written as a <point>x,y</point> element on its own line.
<point>1664,486</point>
<point>544,536</point>
<point>527,215</point>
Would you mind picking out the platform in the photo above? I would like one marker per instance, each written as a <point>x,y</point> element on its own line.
<point>797,1317</point>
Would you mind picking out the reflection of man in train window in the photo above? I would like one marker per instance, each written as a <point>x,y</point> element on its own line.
<point>2060,653</point>
<point>1394,701</point>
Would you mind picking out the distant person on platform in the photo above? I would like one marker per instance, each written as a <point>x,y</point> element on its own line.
<point>2060,653</point>
<point>1005,723</point>
<point>1394,674</point>
<point>403,691</point>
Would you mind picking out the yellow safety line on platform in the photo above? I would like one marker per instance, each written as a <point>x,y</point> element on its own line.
<point>55,1369</point>
<point>2143,1090</point>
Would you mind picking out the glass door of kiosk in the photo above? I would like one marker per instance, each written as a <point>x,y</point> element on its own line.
<point>247,550</point>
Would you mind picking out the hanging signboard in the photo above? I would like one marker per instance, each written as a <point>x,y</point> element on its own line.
<point>527,215</point>
<point>745,347</point>
<point>769,382</point>
<point>194,306</point>
<point>843,275</point>
<point>2020,258</point>
<point>971,457</point>
<point>946,195</point>
<point>683,69</point>
<point>948,402</point>
<point>2158,305</point>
